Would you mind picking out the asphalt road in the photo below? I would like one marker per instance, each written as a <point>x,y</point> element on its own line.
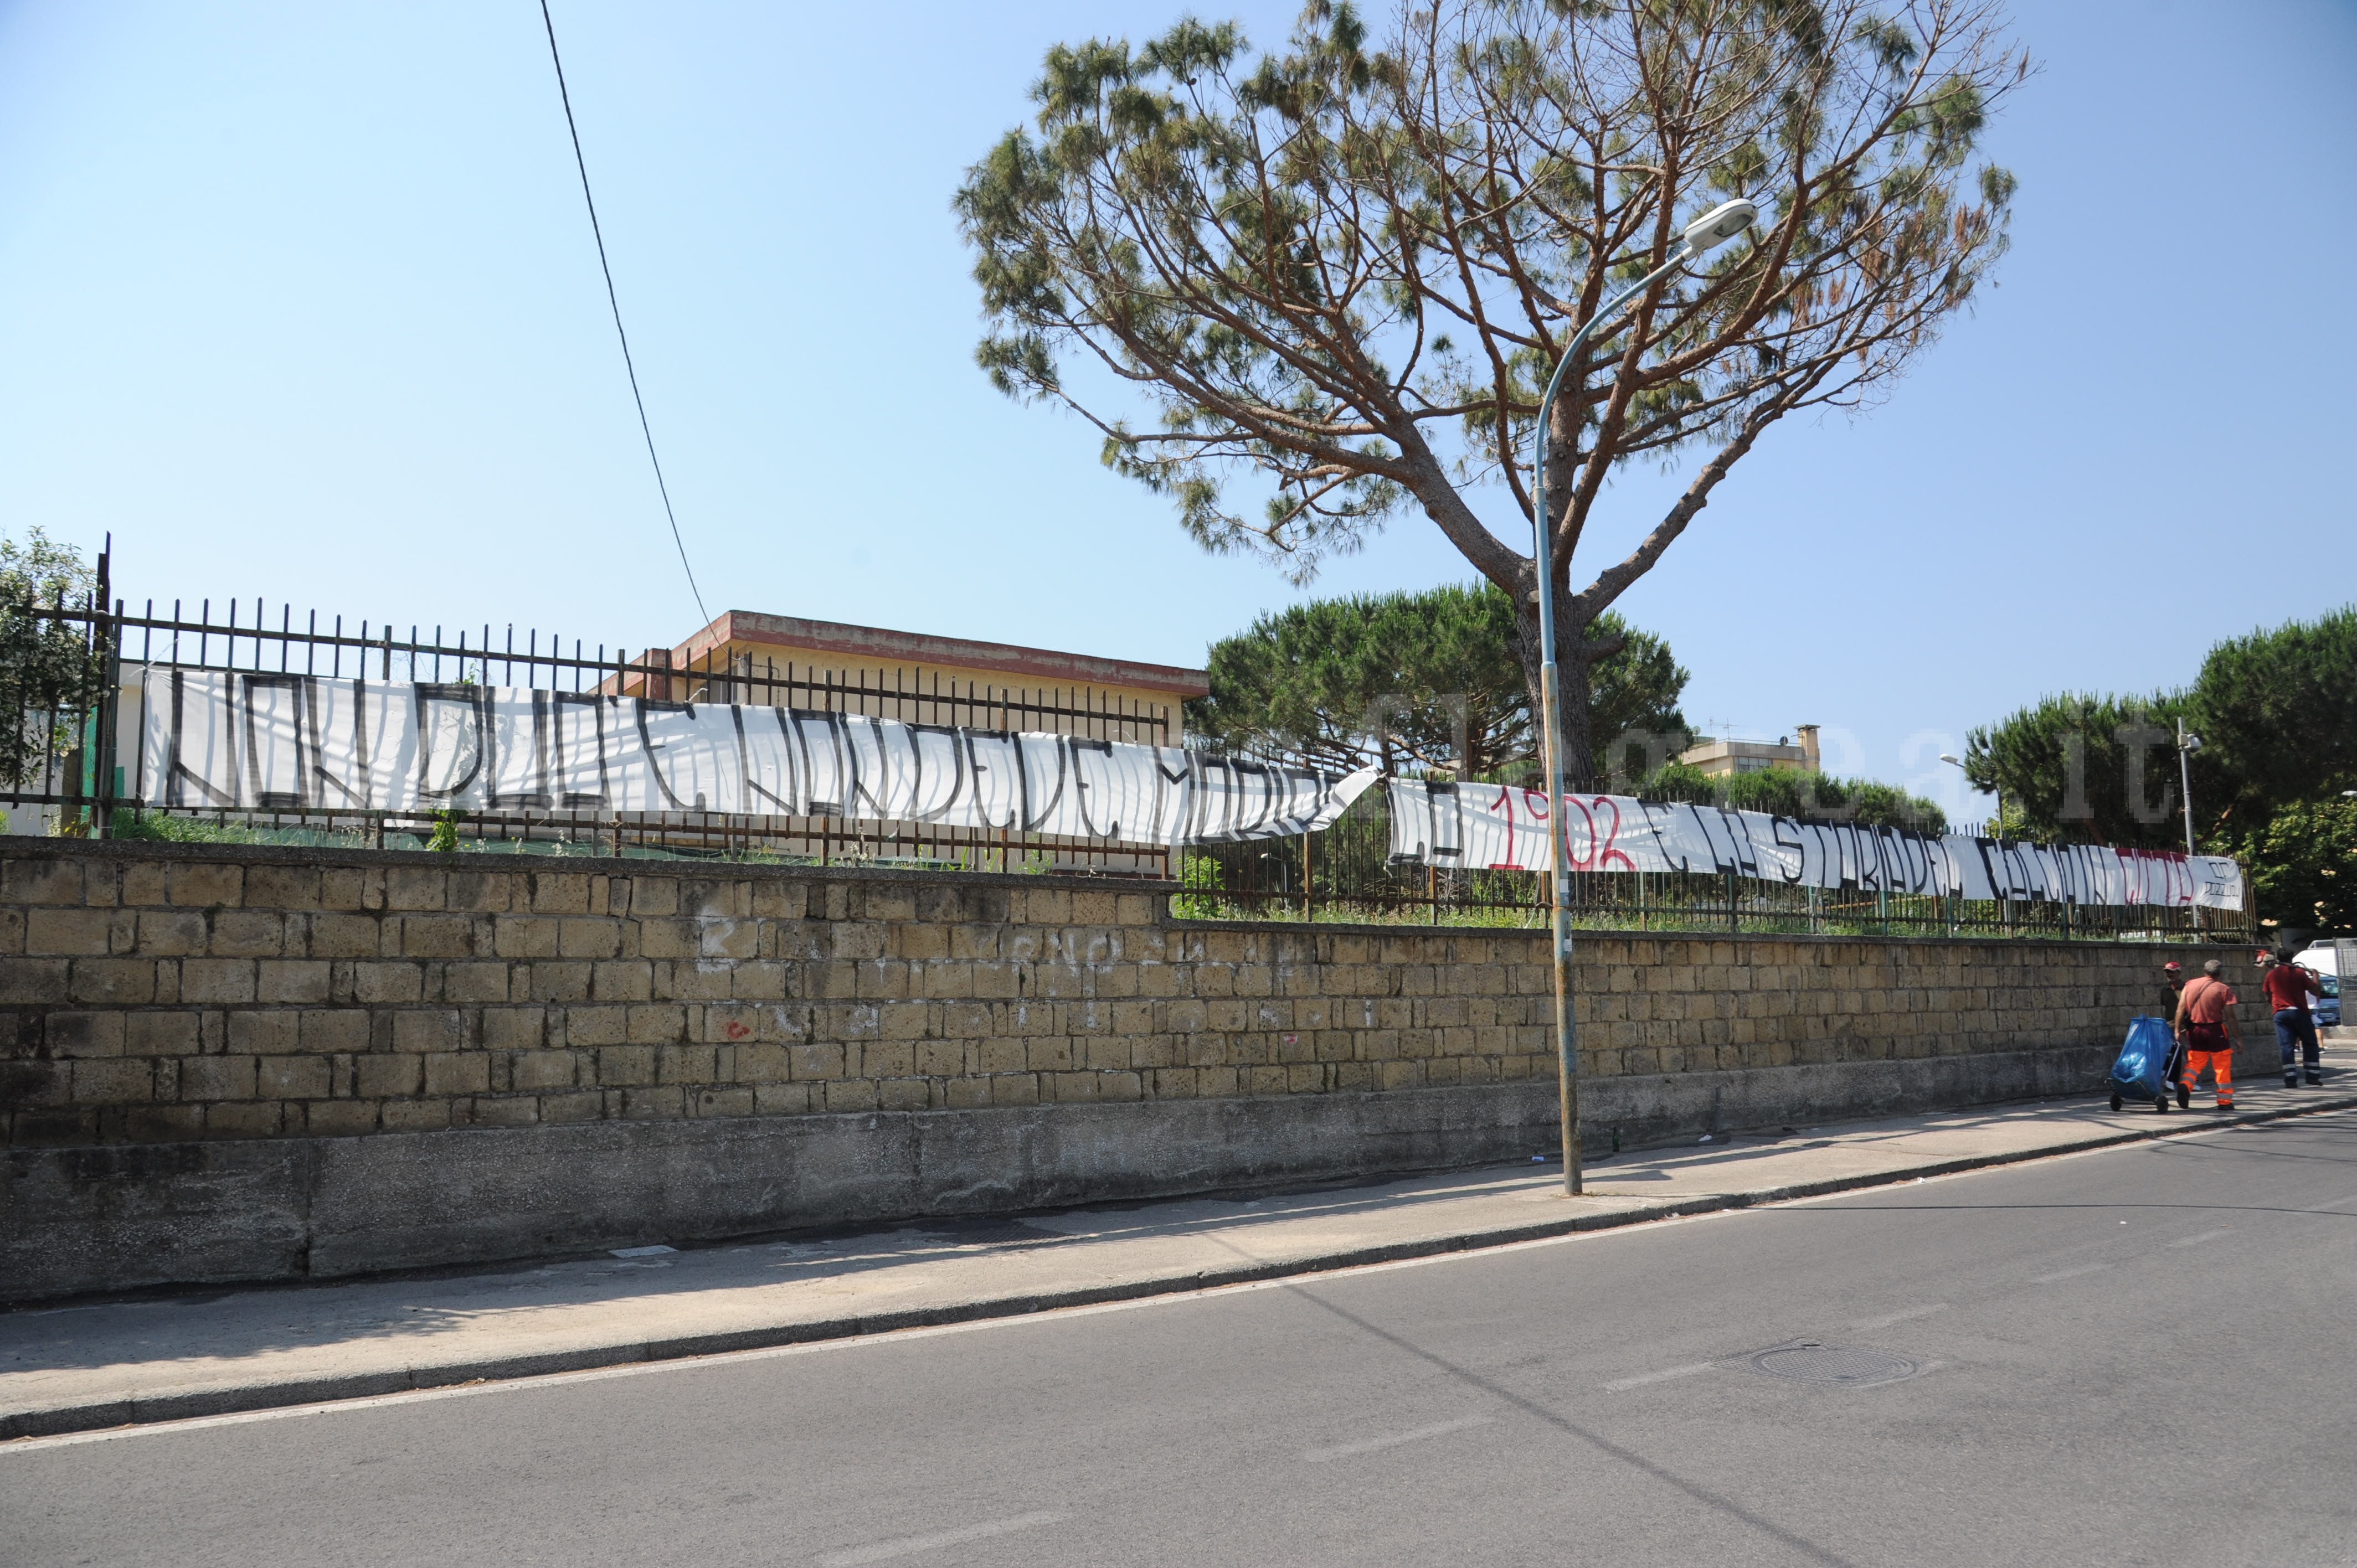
<point>2143,1356</point>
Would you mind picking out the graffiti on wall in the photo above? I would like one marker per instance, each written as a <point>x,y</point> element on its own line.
<point>247,741</point>
<point>1496,827</point>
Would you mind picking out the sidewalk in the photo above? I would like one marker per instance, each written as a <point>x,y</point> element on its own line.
<point>82,1366</point>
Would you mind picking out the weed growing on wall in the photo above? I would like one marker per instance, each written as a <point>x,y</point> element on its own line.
<point>1199,875</point>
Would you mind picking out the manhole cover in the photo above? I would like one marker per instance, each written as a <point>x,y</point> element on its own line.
<point>1834,1364</point>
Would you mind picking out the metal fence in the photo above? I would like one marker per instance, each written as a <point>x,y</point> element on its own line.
<point>55,680</point>
<point>68,730</point>
<point>1345,874</point>
<point>67,723</point>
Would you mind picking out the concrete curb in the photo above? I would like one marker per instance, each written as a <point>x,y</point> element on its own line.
<point>94,1416</point>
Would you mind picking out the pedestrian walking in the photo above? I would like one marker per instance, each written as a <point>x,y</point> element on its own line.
<point>2289,986</point>
<point>2206,1023</point>
<point>2173,974</point>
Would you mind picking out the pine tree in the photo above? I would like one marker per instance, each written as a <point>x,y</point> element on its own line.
<point>1343,272</point>
<point>1428,680</point>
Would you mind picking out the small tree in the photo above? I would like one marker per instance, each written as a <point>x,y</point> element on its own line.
<point>2304,866</point>
<point>2278,714</point>
<point>1790,792</point>
<point>1430,679</point>
<point>2277,711</point>
<point>1350,267</point>
<point>49,673</point>
<point>2089,769</point>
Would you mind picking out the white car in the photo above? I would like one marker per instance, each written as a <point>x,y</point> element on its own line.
<point>2325,958</point>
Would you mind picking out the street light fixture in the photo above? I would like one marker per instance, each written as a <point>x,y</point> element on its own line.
<point>1705,233</point>
<point>1717,226</point>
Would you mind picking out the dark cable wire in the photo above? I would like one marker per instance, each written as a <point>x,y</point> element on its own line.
<point>583,165</point>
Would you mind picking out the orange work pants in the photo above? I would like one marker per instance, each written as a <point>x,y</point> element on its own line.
<point>2221,1062</point>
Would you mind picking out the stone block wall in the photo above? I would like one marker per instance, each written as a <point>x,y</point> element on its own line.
<point>153,994</point>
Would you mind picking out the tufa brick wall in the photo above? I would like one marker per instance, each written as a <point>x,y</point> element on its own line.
<point>154,993</point>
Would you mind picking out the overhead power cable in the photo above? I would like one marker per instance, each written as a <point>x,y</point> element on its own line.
<point>612,299</point>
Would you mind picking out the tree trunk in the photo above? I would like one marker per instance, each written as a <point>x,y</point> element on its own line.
<point>1573,658</point>
<point>1572,665</point>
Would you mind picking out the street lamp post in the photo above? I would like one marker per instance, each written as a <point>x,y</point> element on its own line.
<point>2188,743</point>
<point>1712,230</point>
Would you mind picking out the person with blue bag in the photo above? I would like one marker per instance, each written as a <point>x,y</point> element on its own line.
<point>2147,1067</point>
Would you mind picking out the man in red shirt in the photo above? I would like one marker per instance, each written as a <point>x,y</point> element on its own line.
<point>2205,1020</point>
<point>2289,987</point>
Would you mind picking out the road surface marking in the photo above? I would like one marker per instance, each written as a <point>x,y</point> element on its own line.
<point>1371,1444</point>
<point>1889,1318</point>
<point>1663,1376</point>
<point>2197,1240</point>
<point>2061,1275</point>
<point>909,1546</point>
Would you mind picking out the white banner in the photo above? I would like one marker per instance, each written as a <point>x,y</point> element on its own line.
<point>1494,827</point>
<point>247,741</point>
<point>209,739</point>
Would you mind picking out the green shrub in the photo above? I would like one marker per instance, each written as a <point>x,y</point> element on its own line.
<point>2304,866</point>
<point>1790,792</point>
<point>1201,876</point>
<point>156,827</point>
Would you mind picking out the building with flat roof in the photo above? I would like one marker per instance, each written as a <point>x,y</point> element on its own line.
<point>749,657</point>
<point>1718,758</point>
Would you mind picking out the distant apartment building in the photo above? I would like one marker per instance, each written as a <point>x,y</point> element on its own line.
<point>749,657</point>
<point>1718,758</point>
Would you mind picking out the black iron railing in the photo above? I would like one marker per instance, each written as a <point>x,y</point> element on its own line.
<point>68,725</point>
<point>1346,874</point>
<point>67,731</point>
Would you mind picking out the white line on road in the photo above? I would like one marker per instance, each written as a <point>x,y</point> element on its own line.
<point>908,1545</point>
<point>2057,1277</point>
<point>1371,1444</point>
<point>2204,1236</point>
<point>1909,1315</point>
<point>1663,1376</point>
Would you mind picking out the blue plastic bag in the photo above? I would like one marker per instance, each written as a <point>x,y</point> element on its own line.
<point>2143,1064</point>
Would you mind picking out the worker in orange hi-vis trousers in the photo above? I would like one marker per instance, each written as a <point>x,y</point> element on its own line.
<point>2205,1021</point>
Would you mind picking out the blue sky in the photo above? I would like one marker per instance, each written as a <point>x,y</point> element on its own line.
<point>300,302</point>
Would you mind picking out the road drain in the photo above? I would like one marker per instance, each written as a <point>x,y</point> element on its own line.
<point>1815,1363</point>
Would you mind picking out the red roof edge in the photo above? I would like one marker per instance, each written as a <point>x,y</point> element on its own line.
<point>917,648</point>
